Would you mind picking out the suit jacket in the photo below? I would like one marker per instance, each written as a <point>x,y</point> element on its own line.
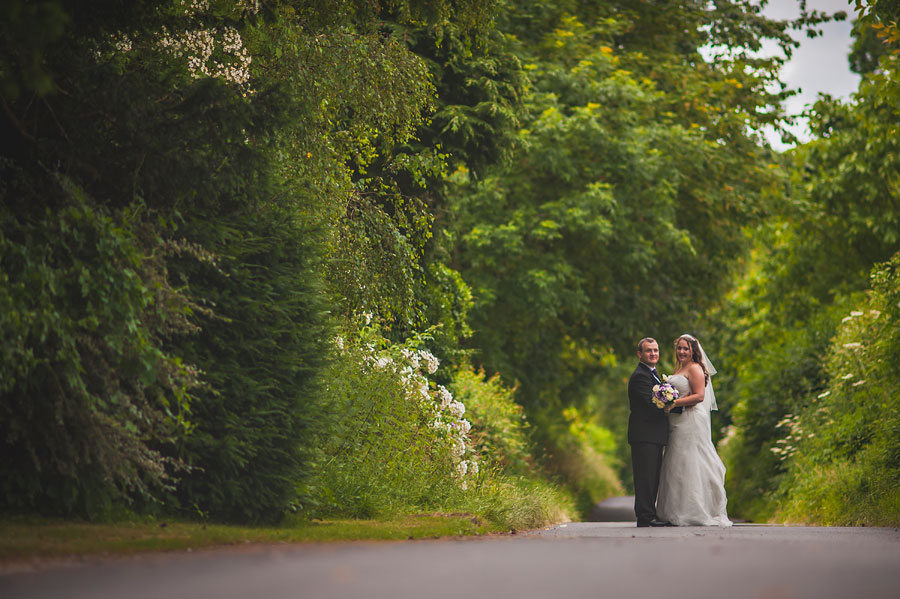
<point>646,423</point>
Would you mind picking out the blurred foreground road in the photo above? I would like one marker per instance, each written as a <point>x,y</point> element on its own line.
<point>583,560</point>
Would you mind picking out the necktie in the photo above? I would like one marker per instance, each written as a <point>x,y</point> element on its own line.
<point>653,370</point>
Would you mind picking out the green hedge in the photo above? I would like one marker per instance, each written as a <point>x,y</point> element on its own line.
<point>843,449</point>
<point>87,397</point>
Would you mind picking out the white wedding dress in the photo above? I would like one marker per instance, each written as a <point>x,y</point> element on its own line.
<point>692,480</point>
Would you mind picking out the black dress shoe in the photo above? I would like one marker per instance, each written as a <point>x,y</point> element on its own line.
<point>654,523</point>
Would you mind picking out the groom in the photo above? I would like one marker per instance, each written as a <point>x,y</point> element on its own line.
<point>648,432</point>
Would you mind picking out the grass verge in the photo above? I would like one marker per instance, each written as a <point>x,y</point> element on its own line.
<point>30,538</point>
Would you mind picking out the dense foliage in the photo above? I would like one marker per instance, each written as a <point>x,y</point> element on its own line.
<point>787,325</point>
<point>398,439</point>
<point>842,448</point>
<point>85,380</point>
<point>196,196</point>
<point>622,215</point>
<point>262,257</point>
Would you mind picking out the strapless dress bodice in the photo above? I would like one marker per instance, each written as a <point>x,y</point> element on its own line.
<point>680,382</point>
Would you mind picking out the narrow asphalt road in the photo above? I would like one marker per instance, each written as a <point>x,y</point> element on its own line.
<point>583,560</point>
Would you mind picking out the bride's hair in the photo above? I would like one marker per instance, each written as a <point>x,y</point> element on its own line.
<point>696,356</point>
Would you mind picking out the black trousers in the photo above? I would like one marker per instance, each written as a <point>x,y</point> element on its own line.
<point>646,460</point>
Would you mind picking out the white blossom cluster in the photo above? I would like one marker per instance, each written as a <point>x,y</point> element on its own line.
<point>786,447</point>
<point>122,42</point>
<point>412,358</point>
<point>449,420</point>
<point>216,52</point>
<point>444,397</point>
<point>199,47</point>
<point>430,362</point>
<point>854,322</point>
<point>858,313</point>
<point>192,7</point>
<point>251,6</point>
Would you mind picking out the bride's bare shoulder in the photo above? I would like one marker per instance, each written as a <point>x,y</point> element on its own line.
<point>692,368</point>
<point>686,371</point>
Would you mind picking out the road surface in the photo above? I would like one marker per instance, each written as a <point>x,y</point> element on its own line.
<point>577,560</point>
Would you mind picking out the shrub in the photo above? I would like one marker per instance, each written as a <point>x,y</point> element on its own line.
<point>842,450</point>
<point>499,429</point>
<point>775,380</point>
<point>398,442</point>
<point>87,397</point>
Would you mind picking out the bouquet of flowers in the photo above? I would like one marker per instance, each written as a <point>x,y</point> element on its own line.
<point>664,393</point>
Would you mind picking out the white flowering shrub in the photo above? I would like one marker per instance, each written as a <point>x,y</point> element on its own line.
<point>217,52</point>
<point>769,392</point>
<point>203,39</point>
<point>402,443</point>
<point>412,366</point>
<point>786,446</point>
<point>210,51</point>
<point>399,439</point>
<point>501,429</point>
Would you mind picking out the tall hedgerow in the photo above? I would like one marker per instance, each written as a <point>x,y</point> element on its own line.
<point>175,243</point>
<point>89,400</point>
<point>260,349</point>
<point>842,449</point>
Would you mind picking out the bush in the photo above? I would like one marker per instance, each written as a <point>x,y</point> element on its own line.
<point>398,442</point>
<point>499,429</point>
<point>842,450</point>
<point>514,490</point>
<point>87,397</point>
<point>776,380</point>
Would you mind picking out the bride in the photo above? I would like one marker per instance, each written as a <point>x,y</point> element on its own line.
<point>692,480</point>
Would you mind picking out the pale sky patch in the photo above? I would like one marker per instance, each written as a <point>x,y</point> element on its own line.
<point>819,65</point>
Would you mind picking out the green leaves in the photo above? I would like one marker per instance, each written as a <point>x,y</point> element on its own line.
<point>385,449</point>
<point>260,351</point>
<point>846,434</point>
<point>88,395</point>
<point>619,210</point>
<point>789,329</point>
<point>182,224</point>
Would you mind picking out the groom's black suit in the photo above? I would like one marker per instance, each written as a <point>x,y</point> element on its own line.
<point>648,433</point>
